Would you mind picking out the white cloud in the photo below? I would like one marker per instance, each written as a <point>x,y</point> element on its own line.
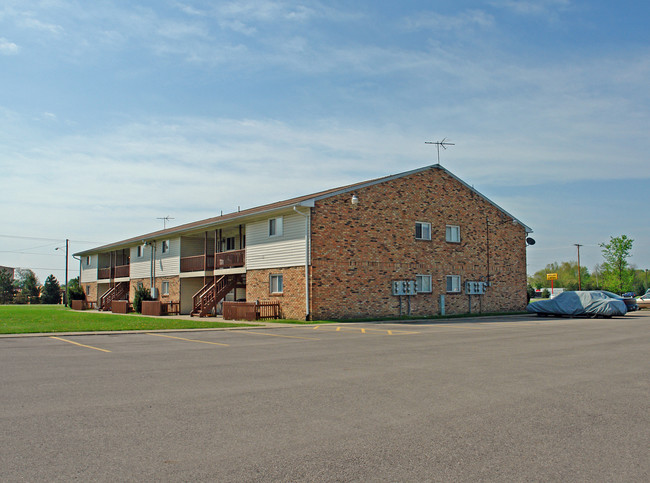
<point>533,7</point>
<point>7,47</point>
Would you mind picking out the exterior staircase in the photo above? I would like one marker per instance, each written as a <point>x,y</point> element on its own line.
<point>212,293</point>
<point>119,291</point>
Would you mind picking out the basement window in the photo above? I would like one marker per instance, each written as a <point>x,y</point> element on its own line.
<point>423,283</point>
<point>453,234</point>
<point>276,283</point>
<point>453,283</point>
<point>422,230</point>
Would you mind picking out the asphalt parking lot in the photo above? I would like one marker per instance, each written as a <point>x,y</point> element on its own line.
<point>498,399</point>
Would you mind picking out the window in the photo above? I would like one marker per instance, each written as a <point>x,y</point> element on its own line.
<point>422,231</point>
<point>230,243</point>
<point>275,226</point>
<point>88,260</point>
<point>139,285</point>
<point>423,283</point>
<point>87,289</point>
<point>165,246</point>
<point>276,283</point>
<point>453,234</point>
<point>139,254</point>
<point>453,283</point>
<point>165,288</point>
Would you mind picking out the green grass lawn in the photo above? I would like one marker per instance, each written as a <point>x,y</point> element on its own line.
<point>21,319</point>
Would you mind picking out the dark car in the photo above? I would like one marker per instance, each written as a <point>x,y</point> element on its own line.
<point>588,303</point>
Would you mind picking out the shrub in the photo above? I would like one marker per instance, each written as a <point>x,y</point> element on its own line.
<point>140,295</point>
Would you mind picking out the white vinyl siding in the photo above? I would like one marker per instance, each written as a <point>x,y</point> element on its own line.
<point>287,250</point>
<point>89,271</point>
<point>168,264</point>
<point>140,266</point>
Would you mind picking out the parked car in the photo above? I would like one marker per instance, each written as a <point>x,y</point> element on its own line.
<point>588,303</point>
<point>630,302</point>
<point>643,302</point>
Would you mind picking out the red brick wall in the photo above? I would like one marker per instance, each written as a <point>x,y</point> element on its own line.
<point>174,288</point>
<point>292,300</point>
<point>358,250</point>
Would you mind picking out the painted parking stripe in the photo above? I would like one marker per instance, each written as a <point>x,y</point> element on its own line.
<point>275,335</point>
<point>189,340</point>
<point>80,345</point>
<point>363,330</point>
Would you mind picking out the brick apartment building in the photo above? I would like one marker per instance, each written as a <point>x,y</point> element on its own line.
<point>420,242</point>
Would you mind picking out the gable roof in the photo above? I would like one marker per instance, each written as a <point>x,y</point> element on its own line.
<point>306,200</point>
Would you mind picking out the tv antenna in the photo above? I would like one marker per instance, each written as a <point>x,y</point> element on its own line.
<point>444,143</point>
<point>165,219</point>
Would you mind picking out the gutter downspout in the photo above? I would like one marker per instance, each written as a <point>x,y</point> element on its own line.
<point>307,250</point>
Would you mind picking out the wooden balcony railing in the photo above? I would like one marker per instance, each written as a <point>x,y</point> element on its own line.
<point>233,258</point>
<point>118,272</point>
<point>122,271</point>
<point>195,264</point>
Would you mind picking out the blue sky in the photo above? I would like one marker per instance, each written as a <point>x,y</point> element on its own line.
<point>113,114</point>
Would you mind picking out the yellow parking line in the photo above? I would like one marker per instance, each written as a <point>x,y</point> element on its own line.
<point>365,330</point>
<point>275,335</point>
<point>80,345</point>
<point>189,340</point>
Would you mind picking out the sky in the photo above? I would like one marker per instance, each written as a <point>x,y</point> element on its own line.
<point>115,114</point>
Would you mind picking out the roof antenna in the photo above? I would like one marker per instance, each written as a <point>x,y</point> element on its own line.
<point>165,220</point>
<point>442,143</point>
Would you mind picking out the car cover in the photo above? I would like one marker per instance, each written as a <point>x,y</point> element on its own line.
<point>579,303</point>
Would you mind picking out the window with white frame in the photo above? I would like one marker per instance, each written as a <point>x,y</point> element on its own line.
<point>165,288</point>
<point>275,226</point>
<point>422,230</point>
<point>165,246</point>
<point>88,260</point>
<point>453,234</point>
<point>423,283</point>
<point>87,289</point>
<point>453,283</point>
<point>230,243</point>
<point>276,283</point>
<point>140,251</point>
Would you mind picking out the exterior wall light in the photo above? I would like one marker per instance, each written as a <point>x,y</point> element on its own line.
<point>354,200</point>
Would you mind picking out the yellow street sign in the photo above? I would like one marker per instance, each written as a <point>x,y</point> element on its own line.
<point>551,276</point>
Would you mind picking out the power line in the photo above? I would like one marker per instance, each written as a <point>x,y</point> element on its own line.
<point>58,240</point>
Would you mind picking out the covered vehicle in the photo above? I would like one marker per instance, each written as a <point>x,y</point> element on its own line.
<point>630,302</point>
<point>591,303</point>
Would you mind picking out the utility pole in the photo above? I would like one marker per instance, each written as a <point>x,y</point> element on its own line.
<point>65,294</point>
<point>579,277</point>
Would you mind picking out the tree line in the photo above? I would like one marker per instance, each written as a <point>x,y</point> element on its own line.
<point>613,274</point>
<point>25,288</point>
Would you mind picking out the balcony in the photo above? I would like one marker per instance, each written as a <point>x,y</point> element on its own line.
<point>195,264</point>
<point>230,259</point>
<point>120,271</point>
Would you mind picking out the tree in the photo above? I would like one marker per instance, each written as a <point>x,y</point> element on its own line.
<point>616,272</point>
<point>51,293</point>
<point>29,287</point>
<point>567,276</point>
<point>7,287</point>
